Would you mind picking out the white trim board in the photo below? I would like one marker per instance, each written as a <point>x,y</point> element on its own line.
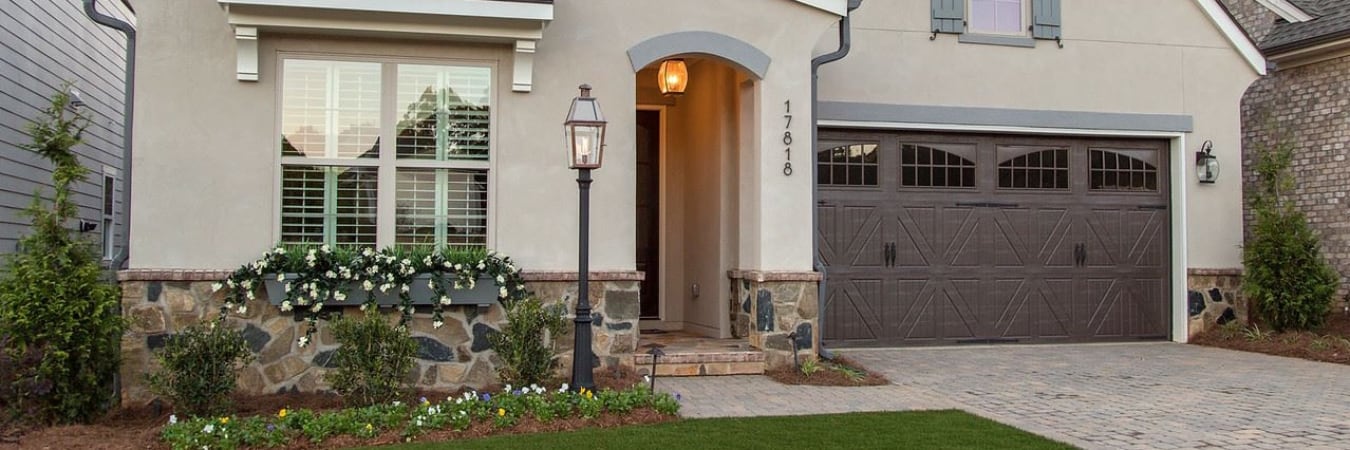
<point>1286,10</point>
<point>1235,35</point>
<point>466,8</point>
<point>836,7</point>
<point>1180,179</point>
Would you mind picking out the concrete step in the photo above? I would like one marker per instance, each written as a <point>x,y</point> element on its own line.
<point>700,364</point>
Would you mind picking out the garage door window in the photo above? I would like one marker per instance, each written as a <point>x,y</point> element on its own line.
<point>848,165</point>
<point>937,166</point>
<point>1028,167</point>
<point>1123,170</point>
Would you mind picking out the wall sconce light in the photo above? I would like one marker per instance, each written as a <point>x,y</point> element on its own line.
<point>1206,164</point>
<point>673,77</point>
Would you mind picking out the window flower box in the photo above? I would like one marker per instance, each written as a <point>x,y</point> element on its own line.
<point>485,292</point>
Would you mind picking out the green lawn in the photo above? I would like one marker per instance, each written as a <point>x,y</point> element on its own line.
<point>911,430</point>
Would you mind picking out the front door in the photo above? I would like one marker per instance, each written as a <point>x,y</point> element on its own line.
<point>649,210</point>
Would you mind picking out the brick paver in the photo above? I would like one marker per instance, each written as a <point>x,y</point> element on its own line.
<point>1126,396</point>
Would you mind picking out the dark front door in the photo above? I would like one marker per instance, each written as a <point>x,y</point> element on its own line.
<point>944,239</point>
<point>649,210</point>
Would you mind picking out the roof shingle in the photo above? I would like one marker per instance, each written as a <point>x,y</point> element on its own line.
<point>1332,21</point>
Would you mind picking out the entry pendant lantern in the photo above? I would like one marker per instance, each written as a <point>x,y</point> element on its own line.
<point>585,131</point>
<point>673,77</point>
<point>1206,164</point>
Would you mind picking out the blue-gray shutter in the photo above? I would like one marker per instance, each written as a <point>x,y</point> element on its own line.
<point>949,16</point>
<point>1045,19</point>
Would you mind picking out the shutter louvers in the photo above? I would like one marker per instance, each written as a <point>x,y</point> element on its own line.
<point>1045,19</point>
<point>949,16</point>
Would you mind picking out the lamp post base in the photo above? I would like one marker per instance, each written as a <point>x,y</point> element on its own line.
<point>583,366</point>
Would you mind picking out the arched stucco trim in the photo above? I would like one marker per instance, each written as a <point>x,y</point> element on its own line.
<point>732,50</point>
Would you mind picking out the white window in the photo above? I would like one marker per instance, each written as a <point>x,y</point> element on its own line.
<point>413,172</point>
<point>109,214</point>
<point>998,16</point>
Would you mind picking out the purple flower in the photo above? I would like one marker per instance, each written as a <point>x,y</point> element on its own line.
<point>422,400</point>
<point>487,397</point>
<point>678,398</point>
<point>271,428</point>
<point>516,392</point>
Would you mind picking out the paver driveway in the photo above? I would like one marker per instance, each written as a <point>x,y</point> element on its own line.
<point>1154,395</point>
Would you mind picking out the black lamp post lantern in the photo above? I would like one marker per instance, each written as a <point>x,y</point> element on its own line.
<point>1206,164</point>
<point>585,132</point>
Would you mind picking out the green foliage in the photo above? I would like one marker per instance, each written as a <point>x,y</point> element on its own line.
<point>525,342</point>
<point>52,293</point>
<point>850,373</point>
<point>374,360</point>
<point>1286,278</point>
<point>19,379</point>
<point>503,410</point>
<point>198,368</point>
<point>1255,334</point>
<point>811,367</point>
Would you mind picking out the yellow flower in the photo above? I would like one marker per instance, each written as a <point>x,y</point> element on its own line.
<point>369,427</point>
<point>281,414</point>
<point>589,396</point>
<point>501,412</point>
<point>224,420</point>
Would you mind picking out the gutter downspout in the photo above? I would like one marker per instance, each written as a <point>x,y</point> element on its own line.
<point>128,109</point>
<point>845,44</point>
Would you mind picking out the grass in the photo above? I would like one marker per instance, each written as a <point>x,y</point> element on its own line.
<point>916,430</point>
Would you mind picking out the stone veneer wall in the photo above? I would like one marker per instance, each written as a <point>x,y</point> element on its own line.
<point>1214,298</point>
<point>1308,106</point>
<point>767,307</point>
<point>159,303</point>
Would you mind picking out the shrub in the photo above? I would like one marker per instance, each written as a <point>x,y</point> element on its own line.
<point>525,343</point>
<point>374,359</point>
<point>19,379</point>
<point>52,292</point>
<point>1289,283</point>
<point>199,367</point>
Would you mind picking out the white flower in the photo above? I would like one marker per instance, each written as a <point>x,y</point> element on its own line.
<point>385,287</point>
<point>459,267</point>
<point>501,279</point>
<point>230,283</point>
<point>304,341</point>
<point>403,288</point>
<point>406,262</point>
<point>445,299</point>
<point>281,277</point>
<point>437,324</point>
<point>502,292</point>
<point>262,264</point>
<point>215,287</point>
<point>367,252</point>
<point>508,388</point>
<point>210,427</point>
<point>481,266</point>
<point>286,305</point>
<point>368,286</point>
<point>325,248</point>
<point>363,307</point>
<point>646,378</point>
<point>243,309</point>
<point>330,274</point>
<point>287,286</point>
<point>448,265</point>
<point>431,284</point>
<point>339,296</point>
<point>173,419</point>
<point>317,307</point>
<point>280,251</point>
<point>563,388</point>
<point>250,295</point>
<point>248,284</point>
<point>426,261</point>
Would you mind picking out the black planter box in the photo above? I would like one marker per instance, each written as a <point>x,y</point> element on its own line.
<point>484,293</point>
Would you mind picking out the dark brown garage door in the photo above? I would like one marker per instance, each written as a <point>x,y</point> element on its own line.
<point>944,239</point>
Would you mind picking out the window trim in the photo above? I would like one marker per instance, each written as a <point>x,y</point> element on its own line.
<point>388,162</point>
<point>108,213</point>
<point>1024,29</point>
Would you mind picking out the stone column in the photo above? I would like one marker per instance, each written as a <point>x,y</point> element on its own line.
<point>1214,298</point>
<point>770,306</point>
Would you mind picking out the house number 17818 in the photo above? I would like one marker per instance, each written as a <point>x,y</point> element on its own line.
<point>787,138</point>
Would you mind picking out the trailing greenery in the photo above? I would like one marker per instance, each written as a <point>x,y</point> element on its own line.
<point>321,275</point>
<point>52,293</point>
<point>503,410</point>
<point>1286,278</point>
<point>526,342</point>
<point>198,368</point>
<point>374,359</point>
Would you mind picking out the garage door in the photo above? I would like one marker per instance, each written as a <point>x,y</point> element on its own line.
<point>946,239</point>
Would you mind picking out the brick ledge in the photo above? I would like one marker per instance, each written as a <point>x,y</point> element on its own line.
<point>1232,272</point>
<point>615,275</point>
<point>763,275</point>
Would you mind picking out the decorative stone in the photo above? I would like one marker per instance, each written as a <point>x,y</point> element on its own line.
<point>764,314</point>
<point>256,337</point>
<point>309,382</point>
<point>808,307</point>
<point>133,292</point>
<point>450,373</point>
<point>804,336</point>
<point>778,341</point>
<point>157,341</point>
<point>429,377</point>
<point>623,344</point>
<point>480,337</point>
<point>463,352</point>
<point>619,326</point>
<point>745,305</point>
<point>1227,316</point>
<point>153,290</point>
<point>480,375</point>
<point>285,369</point>
<point>147,319</point>
<point>249,381</point>
<point>1196,300</point>
<point>1216,295</point>
<point>622,305</point>
<point>597,320</point>
<point>429,349</point>
<point>279,346</point>
<point>326,359</point>
<point>179,299</point>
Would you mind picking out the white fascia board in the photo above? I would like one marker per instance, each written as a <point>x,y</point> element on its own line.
<point>1286,10</point>
<point>1235,35</point>
<point>836,7</point>
<point>463,8</point>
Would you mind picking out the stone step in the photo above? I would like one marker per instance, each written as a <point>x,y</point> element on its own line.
<point>701,364</point>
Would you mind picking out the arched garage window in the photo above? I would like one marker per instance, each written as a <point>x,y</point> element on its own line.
<point>1033,167</point>
<point>1123,169</point>
<point>847,165</point>
<point>937,166</point>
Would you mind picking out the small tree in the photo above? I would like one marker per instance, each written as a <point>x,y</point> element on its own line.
<point>52,295</point>
<point>1286,278</point>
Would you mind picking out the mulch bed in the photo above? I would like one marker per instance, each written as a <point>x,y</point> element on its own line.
<point>829,375</point>
<point>139,427</point>
<point>1330,344</point>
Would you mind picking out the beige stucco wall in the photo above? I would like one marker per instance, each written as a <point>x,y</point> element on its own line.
<point>206,163</point>
<point>1137,56</point>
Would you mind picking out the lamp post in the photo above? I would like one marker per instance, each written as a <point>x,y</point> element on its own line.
<point>585,132</point>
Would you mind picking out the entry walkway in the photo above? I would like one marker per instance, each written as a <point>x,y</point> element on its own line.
<point>1110,396</point>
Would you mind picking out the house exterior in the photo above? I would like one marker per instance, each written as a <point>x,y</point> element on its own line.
<point>48,44</point>
<point>986,170</point>
<point>1305,101</point>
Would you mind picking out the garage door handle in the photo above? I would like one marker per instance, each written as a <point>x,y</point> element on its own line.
<point>1079,255</point>
<point>889,254</point>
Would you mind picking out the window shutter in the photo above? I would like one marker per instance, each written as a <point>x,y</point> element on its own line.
<point>1045,19</point>
<point>949,16</point>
